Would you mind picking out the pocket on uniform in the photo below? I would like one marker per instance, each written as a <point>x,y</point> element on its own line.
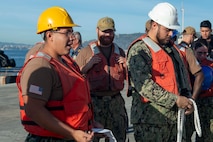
<point>98,83</point>
<point>118,82</point>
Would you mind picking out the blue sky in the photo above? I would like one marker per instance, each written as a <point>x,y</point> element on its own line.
<point>18,18</point>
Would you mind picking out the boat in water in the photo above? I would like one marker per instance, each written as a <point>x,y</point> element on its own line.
<point>8,69</point>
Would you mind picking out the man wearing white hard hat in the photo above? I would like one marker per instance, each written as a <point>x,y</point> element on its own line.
<point>159,79</point>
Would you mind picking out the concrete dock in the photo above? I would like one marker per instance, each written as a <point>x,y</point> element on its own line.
<point>11,128</point>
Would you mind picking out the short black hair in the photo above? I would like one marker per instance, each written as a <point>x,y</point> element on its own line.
<point>206,23</point>
<point>198,44</point>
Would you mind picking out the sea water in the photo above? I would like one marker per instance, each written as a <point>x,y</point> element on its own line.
<point>17,54</point>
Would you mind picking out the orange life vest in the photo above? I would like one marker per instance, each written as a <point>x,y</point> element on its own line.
<point>163,72</point>
<point>106,75</point>
<point>75,109</point>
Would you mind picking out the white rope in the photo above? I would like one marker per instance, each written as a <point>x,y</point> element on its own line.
<point>180,122</point>
<point>181,119</point>
<point>196,119</point>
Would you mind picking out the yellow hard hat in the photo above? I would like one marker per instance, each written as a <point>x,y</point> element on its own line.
<point>53,18</point>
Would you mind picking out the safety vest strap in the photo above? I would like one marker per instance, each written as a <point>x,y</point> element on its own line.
<point>151,44</point>
<point>41,54</point>
<point>96,50</point>
<point>182,46</point>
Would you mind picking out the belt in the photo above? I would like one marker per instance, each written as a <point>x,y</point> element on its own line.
<point>105,97</point>
<point>105,93</point>
<point>40,138</point>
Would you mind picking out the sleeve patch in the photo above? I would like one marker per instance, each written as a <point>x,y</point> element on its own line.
<point>35,89</point>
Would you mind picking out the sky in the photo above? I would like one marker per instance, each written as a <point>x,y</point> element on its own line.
<point>18,18</point>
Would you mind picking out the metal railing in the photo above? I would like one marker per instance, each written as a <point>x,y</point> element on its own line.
<point>9,71</point>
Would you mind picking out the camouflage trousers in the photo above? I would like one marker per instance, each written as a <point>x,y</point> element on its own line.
<point>111,113</point>
<point>206,120</point>
<point>144,132</point>
<point>34,138</point>
<point>190,127</point>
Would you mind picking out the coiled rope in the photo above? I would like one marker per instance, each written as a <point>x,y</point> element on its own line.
<point>181,120</point>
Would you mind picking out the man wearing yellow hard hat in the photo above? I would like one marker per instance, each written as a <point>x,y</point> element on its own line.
<point>55,103</point>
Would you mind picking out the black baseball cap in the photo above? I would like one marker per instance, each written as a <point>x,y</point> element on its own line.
<point>206,23</point>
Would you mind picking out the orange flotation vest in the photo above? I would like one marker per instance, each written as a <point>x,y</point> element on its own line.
<point>106,75</point>
<point>163,72</point>
<point>75,109</point>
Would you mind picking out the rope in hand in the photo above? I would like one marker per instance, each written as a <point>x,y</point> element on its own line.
<point>181,119</point>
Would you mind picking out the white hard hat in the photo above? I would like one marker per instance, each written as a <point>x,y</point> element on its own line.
<point>165,14</point>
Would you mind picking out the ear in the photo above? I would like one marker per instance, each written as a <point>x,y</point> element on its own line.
<point>97,30</point>
<point>154,24</point>
<point>49,35</point>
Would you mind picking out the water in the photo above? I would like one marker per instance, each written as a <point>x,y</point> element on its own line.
<point>17,54</point>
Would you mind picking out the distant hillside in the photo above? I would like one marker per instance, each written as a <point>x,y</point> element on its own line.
<point>10,45</point>
<point>123,40</point>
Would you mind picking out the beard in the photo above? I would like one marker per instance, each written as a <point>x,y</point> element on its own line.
<point>162,41</point>
<point>106,40</point>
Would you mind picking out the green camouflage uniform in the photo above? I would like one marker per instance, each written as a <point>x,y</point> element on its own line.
<point>111,112</point>
<point>155,121</point>
<point>205,109</point>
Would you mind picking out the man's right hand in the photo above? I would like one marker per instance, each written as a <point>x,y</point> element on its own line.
<point>94,60</point>
<point>81,136</point>
<point>185,103</point>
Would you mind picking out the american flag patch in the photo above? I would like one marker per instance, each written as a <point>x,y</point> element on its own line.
<point>35,89</point>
